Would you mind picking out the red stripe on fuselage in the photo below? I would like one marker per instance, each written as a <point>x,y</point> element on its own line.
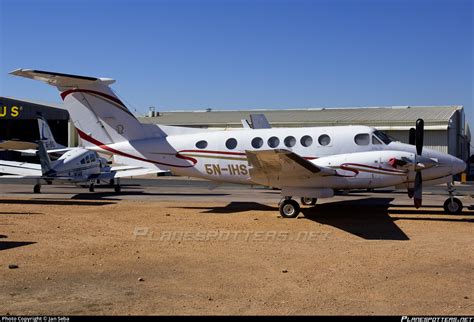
<point>79,90</point>
<point>103,146</point>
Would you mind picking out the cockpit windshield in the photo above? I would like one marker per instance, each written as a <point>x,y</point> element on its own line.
<point>385,138</point>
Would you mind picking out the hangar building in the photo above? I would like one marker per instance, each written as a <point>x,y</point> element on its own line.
<point>18,120</point>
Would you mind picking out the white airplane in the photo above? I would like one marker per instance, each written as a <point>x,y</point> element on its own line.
<point>75,165</point>
<point>309,162</point>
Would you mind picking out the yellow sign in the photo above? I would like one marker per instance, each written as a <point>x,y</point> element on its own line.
<point>13,111</point>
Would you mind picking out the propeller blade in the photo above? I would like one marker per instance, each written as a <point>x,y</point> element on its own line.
<point>420,125</point>
<point>412,136</point>
<point>418,190</point>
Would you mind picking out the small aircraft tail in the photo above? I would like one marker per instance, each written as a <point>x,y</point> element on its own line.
<point>97,113</point>
<point>46,135</point>
<point>46,165</point>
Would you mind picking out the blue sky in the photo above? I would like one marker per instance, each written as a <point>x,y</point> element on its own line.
<point>180,55</point>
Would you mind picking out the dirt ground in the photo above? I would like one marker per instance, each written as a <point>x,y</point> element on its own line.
<point>186,257</point>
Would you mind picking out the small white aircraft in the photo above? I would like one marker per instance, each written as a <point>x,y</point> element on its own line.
<point>75,165</point>
<point>309,162</point>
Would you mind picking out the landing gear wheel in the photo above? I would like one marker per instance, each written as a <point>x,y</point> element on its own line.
<point>117,188</point>
<point>308,201</point>
<point>37,188</point>
<point>289,208</point>
<point>453,207</point>
<point>91,187</point>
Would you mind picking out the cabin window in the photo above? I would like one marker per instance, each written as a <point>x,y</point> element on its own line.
<point>201,144</point>
<point>92,158</point>
<point>375,141</point>
<point>362,139</point>
<point>231,143</point>
<point>306,141</point>
<point>324,139</point>
<point>290,141</point>
<point>83,161</point>
<point>257,142</point>
<point>88,158</point>
<point>273,142</point>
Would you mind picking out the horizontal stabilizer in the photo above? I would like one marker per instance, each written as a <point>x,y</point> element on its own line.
<point>17,145</point>
<point>59,79</point>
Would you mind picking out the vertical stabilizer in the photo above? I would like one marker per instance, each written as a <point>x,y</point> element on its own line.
<point>46,135</point>
<point>46,166</point>
<point>97,113</point>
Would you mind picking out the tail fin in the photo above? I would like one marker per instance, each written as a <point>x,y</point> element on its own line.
<point>98,114</point>
<point>46,166</point>
<point>46,135</point>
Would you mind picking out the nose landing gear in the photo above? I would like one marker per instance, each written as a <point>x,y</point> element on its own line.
<point>452,205</point>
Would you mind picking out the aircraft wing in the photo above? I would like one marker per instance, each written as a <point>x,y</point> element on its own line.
<point>126,171</point>
<point>20,168</point>
<point>274,165</point>
<point>17,145</point>
<point>131,171</point>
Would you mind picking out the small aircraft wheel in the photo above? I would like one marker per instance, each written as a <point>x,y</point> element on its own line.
<point>308,201</point>
<point>37,188</point>
<point>453,207</point>
<point>91,187</point>
<point>289,208</point>
<point>117,188</point>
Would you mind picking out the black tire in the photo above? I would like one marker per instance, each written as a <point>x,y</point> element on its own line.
<point>91,187</point>
<point>453,208</point>
<point>117,188</point>
<point>308,201</point>
<point>289,208</point>
<point>37,188</point>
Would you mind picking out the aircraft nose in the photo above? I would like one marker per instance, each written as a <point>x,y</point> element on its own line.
<point>458,166</point>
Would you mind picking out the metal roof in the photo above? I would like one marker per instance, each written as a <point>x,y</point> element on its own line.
<point>383,117</point>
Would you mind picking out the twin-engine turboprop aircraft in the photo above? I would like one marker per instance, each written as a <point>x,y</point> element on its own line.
<point>305,162</point>
<point>74,165</point>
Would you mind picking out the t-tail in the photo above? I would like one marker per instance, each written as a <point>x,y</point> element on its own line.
<point>99,116</point>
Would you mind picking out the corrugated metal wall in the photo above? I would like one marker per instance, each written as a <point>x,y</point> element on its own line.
<point>436,140</point>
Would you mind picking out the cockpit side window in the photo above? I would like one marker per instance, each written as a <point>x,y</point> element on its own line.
<point>383,137</point>
<point>375,141</point>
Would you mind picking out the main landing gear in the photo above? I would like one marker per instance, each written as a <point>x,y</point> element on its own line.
<point>290,208</point>
<point>452,205</point>
<point>37,188</point>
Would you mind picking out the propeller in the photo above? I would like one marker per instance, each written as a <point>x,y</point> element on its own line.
<point>418,138</point>
<point>412,136</point>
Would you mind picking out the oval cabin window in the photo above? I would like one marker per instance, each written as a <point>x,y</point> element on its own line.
<point>306,140</point>
<point>201,144</point>
<point>231,143</point>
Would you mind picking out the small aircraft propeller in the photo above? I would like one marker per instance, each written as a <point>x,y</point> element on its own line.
<point>418,136</point>
<point>412,136</point>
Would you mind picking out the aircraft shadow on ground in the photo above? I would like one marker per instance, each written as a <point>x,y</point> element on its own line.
<point>368,218</point>
<point>44,201</point>
<point>19,213</point>
<point>234,207</point>
<point>4,245</point>
<point>110,195</point>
